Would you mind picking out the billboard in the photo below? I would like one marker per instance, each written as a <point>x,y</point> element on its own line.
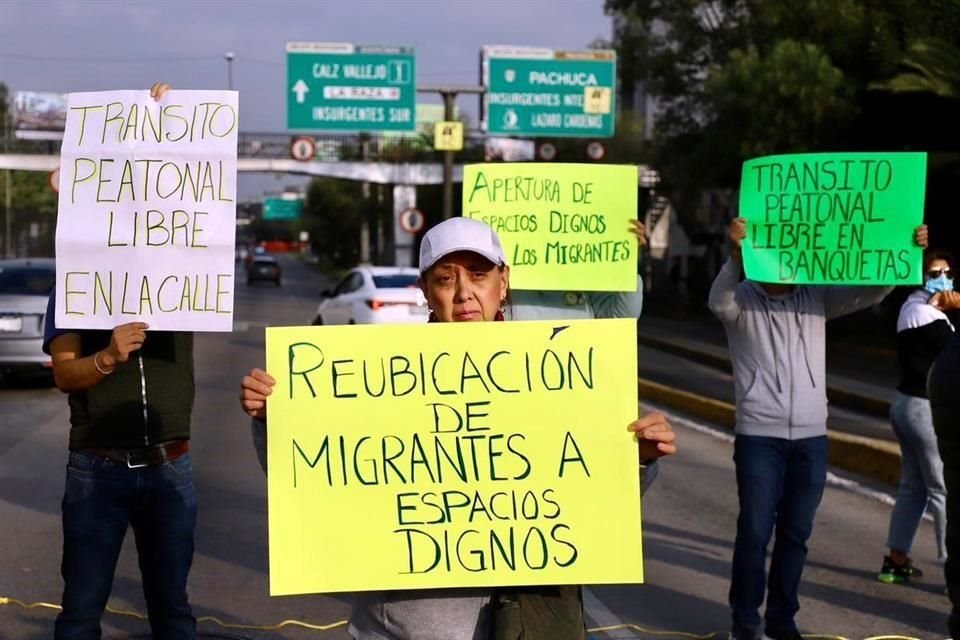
<point>39,116</point>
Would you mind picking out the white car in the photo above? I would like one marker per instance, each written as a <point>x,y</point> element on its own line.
<point>374,295</point>
<point>25,287</point>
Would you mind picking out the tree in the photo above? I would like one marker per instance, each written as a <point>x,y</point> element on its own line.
<point>789,99</point>
<point>32,200</point>
<point>333,213</point>
<point>4,108</point>
<point>931,66</point>
<point>740,78</point>
<point>736,78</point>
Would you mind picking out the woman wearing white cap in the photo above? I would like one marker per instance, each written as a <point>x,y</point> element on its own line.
<point>465,278</point>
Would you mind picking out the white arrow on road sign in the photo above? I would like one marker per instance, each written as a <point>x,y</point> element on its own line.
<point>301,89</point>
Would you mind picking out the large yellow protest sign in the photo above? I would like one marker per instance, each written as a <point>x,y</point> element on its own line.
<point>564,227</point>
<point>452,455</point>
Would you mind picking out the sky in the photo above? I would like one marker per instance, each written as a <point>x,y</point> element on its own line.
<point>94,45</point>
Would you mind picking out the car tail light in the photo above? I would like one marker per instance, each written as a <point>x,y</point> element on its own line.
<point>376,305</point>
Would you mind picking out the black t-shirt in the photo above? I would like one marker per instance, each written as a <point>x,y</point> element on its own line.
<point>145,401</point>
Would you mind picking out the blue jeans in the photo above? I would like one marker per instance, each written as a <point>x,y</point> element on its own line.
<point>921,475</point>
<point>101,498</point>
<point>780,483</point>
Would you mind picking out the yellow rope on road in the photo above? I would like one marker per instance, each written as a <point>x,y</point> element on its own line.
<point>212,619</point>
<point>649,632</point>
<point>340,623</point>
<point>34,605</point>
<point>275,627</point>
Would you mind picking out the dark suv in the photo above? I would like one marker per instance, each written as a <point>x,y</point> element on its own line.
<point>263,268</point>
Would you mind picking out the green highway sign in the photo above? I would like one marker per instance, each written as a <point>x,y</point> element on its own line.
<point>345,87</point>
<point>282,209</point>
<point>547,93</point>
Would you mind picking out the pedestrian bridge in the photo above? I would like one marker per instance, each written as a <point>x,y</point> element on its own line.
<point>406,160</point>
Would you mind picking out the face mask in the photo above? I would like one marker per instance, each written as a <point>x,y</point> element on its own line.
<point>938,285</point>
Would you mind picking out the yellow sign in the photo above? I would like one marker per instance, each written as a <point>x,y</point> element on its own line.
<point>597,100</point>
<point>564,227</point>
<point>401,458</point>
<point>448,136</point>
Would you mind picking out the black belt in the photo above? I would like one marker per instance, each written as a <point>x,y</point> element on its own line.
<point>144,456</point>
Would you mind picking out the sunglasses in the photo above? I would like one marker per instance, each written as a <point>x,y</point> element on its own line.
<point>936,273</point>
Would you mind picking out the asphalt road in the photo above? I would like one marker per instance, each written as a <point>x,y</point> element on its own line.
<point>689,520</point>
<point>707,381</point>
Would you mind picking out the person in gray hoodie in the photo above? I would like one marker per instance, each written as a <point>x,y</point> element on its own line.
<point>776,338</point>
<point>465,278</point>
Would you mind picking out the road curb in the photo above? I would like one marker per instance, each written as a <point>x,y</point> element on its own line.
<point>713,411</point>
<point>875,459</point>
<point>840,397</point>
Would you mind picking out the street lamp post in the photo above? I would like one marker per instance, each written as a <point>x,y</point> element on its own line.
<point>7,198</point>
<point>229,58</point>
<point>449,100</point>
<point>449,95</point>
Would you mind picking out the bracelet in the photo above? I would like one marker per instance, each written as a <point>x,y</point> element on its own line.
<point>97,365</point>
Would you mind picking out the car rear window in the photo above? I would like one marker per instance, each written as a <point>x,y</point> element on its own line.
<point>394,282</point>
<point>29,281</point>
<point>269,262</point>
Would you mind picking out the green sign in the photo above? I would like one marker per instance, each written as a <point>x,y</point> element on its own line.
<point>833,218</point>
<point>344,87</point>
<point>426,116</point>
<point>282,209</point>
<point>542,92</point>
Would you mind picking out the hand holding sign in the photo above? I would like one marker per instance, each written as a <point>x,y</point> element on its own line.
<point>254,390</point>
<point>126,339</point>
<point>655,437</point>
<point>158,89</point>
<point>637,228</point>
<point>736,232</point>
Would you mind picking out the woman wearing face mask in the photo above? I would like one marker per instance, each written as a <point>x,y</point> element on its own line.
<point>923,330</point>
<point>465,278</point>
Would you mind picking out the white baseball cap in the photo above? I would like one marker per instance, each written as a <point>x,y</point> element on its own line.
<point>460,234</point>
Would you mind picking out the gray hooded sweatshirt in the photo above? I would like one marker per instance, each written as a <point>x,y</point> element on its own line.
<point>777,345</point>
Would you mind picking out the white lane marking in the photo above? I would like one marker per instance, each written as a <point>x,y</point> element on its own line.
<point>833,479</point>
<point>601,616</point>
<point>245,325</point>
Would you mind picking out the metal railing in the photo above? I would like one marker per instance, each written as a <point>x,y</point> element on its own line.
<point>411,148</point>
